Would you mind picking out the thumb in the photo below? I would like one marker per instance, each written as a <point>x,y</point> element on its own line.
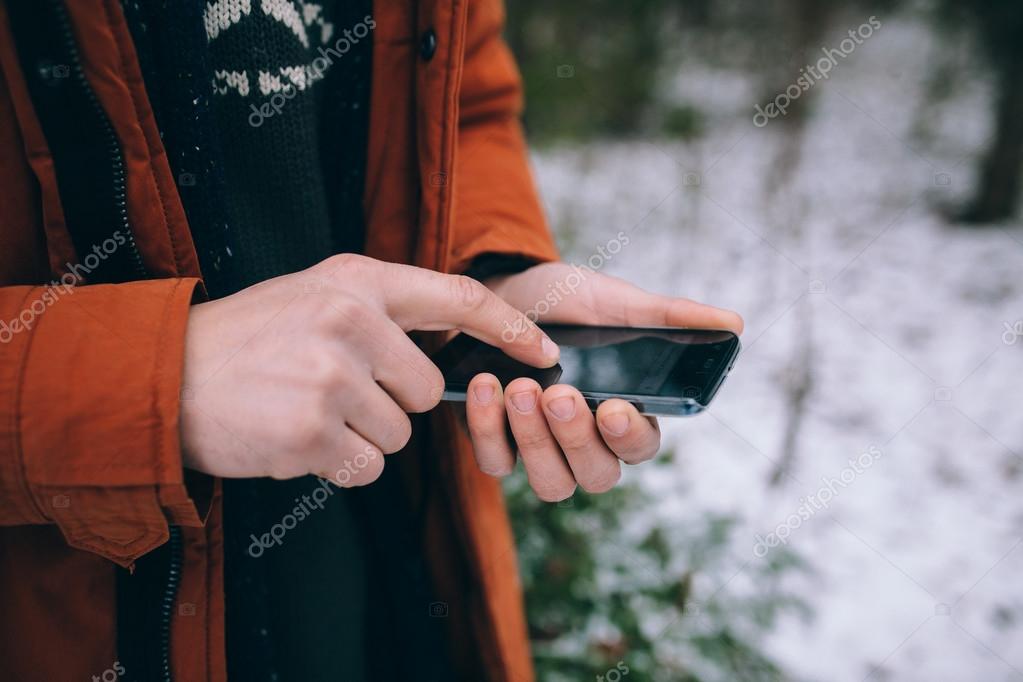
<point>667,311</point>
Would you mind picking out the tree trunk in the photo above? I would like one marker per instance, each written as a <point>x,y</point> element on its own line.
<point>999,183</point>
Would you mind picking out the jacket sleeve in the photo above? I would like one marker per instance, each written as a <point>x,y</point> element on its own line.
<point>90,383</point>
<point>496,206</point>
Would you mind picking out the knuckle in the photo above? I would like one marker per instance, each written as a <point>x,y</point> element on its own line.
<point>481,429</point>
<point>433,397</point>
<point>317,316</point>
<point>435,387</point>
<point>532,440</point>
<point>484,429</point>
<point>332,375</point>
<point>637,456</point>
<point>356,471</point>
<point>645,453</point>
<point>576,442</point>
<point>356,468</point>
<point>354,313</point>
<point>528,331</point>
<point>469,293</point>
<point>345,263</point>
<point>324,366</point>
<point>428,397</point>
<point>421,401</point>
<point>639,448</point>
<point>399,435</point>
<point>604,479</point>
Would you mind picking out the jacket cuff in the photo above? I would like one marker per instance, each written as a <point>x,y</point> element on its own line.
<point>98,417</point>
<point>488,265</point>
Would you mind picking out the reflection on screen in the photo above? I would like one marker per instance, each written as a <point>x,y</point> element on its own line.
<point>615,361</point>
<point>637,367</point>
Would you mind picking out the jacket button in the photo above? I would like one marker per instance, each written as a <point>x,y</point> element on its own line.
<point>428,45</point>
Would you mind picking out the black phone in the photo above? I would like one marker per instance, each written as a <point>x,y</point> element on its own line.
<point>662,371</point>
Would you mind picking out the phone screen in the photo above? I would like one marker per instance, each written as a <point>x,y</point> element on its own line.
<point>668,365</point>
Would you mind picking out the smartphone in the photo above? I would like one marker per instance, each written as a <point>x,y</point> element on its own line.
<point>662,371</point>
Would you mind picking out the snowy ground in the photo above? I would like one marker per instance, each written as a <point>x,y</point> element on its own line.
<point>840,263</point>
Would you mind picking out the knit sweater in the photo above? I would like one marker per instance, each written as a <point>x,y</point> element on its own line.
<point>262,106</point>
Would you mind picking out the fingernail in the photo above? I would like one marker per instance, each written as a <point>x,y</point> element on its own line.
<point>524,401</point>
<point>615,424</point>
<point>563,408</point>
<point>484,393</point>
<point>550,349</point>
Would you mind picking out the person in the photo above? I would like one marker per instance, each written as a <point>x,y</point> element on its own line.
<point>230,232</point>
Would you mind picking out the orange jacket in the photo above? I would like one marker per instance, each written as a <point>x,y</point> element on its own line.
<point>90,462</point>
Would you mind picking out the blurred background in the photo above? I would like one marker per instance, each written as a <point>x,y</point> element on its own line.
<point>846,175</point>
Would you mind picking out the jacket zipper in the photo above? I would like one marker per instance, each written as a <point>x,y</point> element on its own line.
<point>113,145</point>
<point>173,581</point>
<point>170,594</point>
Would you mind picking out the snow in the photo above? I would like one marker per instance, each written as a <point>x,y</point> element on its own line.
<point>844,263</point>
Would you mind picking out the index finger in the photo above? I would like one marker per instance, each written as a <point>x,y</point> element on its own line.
<point>417,298</point>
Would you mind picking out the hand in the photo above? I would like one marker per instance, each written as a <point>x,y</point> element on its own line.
<point>560,441</point>
<point>313,372</point>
